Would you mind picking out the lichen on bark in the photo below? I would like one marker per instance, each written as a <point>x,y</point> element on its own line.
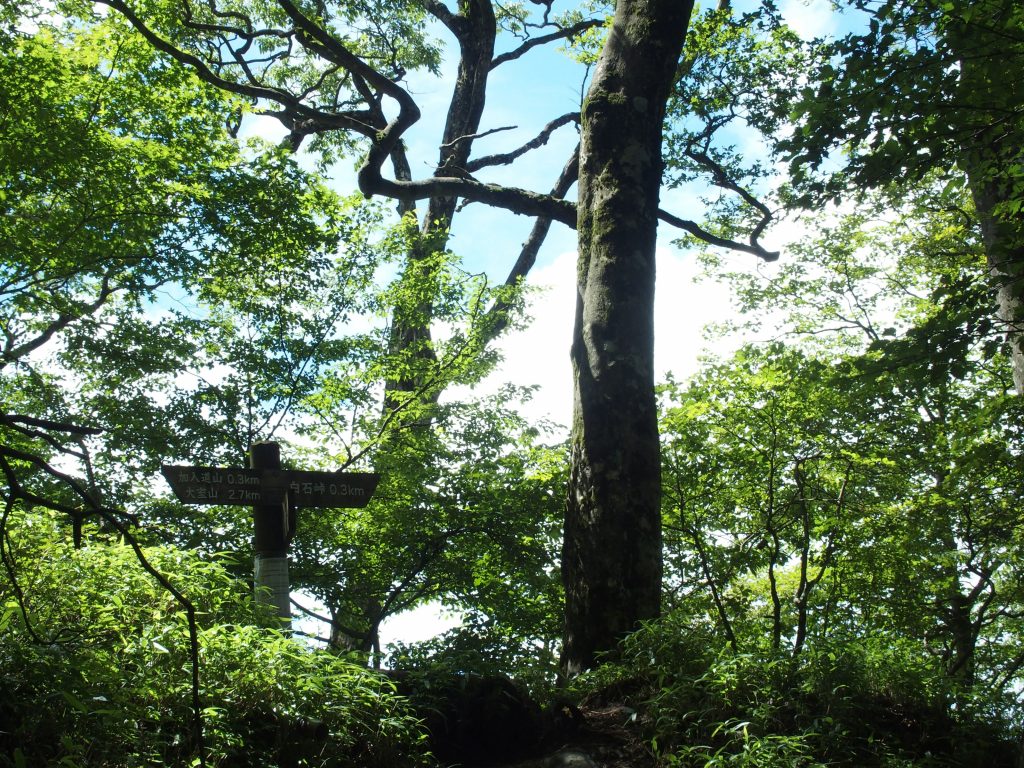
<point>611,559</point>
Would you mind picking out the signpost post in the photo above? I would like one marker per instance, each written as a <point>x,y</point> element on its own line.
<point>274,495</point>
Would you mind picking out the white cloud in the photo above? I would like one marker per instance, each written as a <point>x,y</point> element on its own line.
<point>810,18</point>
<point>264,127</point>
<point>682,309</point>
<point>539,354</point>
<point>418,625</point>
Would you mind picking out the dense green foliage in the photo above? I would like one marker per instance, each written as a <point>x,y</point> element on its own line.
<point>852,704</point>
<point>843,511</point>
<point>95,667</point>
<point>122,191</point>
<point>844,561</point>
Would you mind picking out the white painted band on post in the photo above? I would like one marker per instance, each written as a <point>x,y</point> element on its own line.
<point>270,578</point>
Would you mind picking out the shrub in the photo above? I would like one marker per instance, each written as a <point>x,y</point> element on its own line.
<point>867,703</point>
<point>95,669</point>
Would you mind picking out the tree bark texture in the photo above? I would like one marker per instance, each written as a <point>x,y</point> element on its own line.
<point>612,551</point>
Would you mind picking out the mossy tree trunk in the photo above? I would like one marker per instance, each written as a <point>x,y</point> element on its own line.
<point>1003,238</point>
<point>612,558</point>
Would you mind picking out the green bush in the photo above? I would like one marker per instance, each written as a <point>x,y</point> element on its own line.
<point>866,703</point>
<point>484,648</point>
<point>96,670</point>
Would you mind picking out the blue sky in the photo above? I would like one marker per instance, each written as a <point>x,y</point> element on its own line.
<point>538,355</point>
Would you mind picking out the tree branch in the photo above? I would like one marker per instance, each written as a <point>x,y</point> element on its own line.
<point>514,199</point>
<point>355,120</point>
<point>63,320</point>
<point>721,179</point>
<point>538,141</point>
<point>471,137</point>
<point>498,314</point>
<point>442,13</point>
<point>702,234</point>
<point>561,34</point>
<point>12,420</point>
<point>322,42</point>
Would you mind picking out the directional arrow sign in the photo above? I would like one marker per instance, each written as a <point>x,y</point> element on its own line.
<point>322,489</point>
<point>218,485</point>
<point>234,486</point>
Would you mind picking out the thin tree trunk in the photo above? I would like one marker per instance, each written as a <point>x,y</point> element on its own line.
<point>705,566</point>
<point>776,547</point>
<point>475,28</point>
<point>1003,237</point>
<point>992,90</point>
<point>963,636</point>
<point>612,551</point>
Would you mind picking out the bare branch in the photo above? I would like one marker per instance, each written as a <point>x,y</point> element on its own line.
<point>334,623</point>
<point>204,72</point>
<point>514,199</point>
<point>11,354</point>
<point>498,313</point>
<point>355,120</point>
<point>561,34</point>
<point>538,141</point>
<point>441,12</point>
<point>702,234</point>
<point>721,179</point>
<point>12,419</point>
<point>319,40</point>
<point>453,142</point>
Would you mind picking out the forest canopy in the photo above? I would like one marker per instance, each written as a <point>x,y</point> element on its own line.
<point>806,552</point>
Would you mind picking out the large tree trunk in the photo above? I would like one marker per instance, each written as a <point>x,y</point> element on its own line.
<point>611,560</point>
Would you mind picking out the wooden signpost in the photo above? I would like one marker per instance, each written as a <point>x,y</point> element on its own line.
<point>274,495</point>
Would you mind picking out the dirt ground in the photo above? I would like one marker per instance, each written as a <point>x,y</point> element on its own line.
<point>606,737</point>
